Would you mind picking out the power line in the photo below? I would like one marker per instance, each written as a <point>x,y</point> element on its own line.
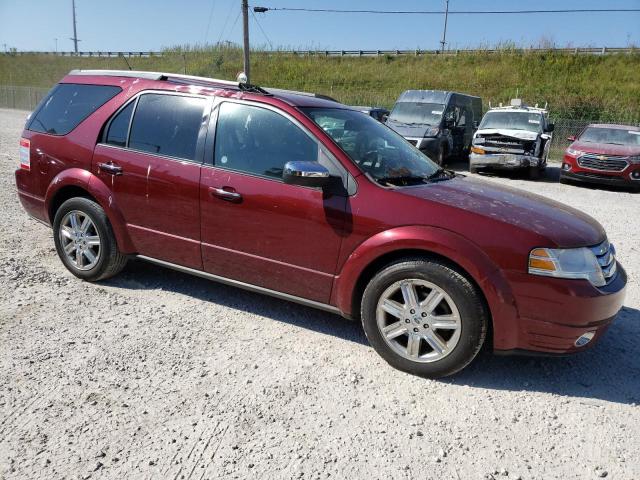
<point>451,12</point>
<point>224,27</point>
<point>206,33</point>
<point>261,29</point>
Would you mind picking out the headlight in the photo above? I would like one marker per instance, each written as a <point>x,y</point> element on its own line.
<point>478,140</point>
<point>567,263</point>
<point>477,150</point>
<point>432,132</point>
<point>574,153</point>
<point>635,159</point>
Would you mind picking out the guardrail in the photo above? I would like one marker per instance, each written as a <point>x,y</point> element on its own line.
<point>358,53</point>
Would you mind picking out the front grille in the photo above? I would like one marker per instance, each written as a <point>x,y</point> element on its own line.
<point>605,163</point>
<point>606,255</point>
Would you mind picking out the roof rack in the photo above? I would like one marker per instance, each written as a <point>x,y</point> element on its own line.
<point>194,80</point>
<point>174,77</point>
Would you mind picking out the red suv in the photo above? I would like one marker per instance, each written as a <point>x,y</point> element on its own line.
<point>604,154</point>
<point>303,198</point>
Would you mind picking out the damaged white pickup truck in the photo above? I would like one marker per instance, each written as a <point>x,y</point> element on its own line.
<point>513,137</point>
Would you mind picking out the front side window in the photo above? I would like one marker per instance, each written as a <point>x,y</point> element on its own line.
<point>376,149</point>
<point>167,125</point>
<point>532,122</point>
<point>67,105</point>
<point>613,136</point>
<point>259,141</point>
<point>417,113</point>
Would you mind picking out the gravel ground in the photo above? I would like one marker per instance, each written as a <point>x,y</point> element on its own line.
<point>157,374</point>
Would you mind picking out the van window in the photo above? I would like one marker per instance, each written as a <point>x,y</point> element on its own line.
<point>258,141</point>
<point>119,127</point>
<point>167,125</point>
<point>67,105</point>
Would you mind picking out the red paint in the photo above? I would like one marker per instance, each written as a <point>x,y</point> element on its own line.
<point>311,244</point>
<point>623,178</point>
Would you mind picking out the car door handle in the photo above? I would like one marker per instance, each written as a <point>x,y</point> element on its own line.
<point>110,168</point>
<point>228,195</point>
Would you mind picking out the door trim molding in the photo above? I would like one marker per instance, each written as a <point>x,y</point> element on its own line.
<point>243,285</point>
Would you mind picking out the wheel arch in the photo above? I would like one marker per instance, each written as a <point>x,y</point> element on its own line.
<point>77,182</point>
<point>428,242</point>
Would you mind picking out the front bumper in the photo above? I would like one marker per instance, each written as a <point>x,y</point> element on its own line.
<point>429,145</point>
<point>508,161</point>
<point>553,313</point>
<point>600,179</point>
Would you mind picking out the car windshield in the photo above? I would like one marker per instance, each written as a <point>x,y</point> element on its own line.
<point>376,149</point>
<point>614,136</point>
<point>417,113</point>
<point>512,121</point>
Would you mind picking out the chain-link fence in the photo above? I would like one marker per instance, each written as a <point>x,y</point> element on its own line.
<point>27,98</point>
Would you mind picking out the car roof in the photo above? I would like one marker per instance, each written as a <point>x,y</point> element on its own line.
<point>208,86</point>
<point>616,126</point>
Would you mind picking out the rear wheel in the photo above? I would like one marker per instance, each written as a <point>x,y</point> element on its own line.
<point>85,241</point>
<point>424,317</point>
<point>440,157</point>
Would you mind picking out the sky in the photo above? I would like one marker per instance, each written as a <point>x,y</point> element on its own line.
<point>121,25</point>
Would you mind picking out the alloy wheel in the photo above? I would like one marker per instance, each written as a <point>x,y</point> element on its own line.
<point>418,320</point>
<point>80,240</point>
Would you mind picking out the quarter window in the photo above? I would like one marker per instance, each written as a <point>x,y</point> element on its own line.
<point>167,125</point>
<point>259,141</point>
<point>119,127</point>
<point>67,105</point>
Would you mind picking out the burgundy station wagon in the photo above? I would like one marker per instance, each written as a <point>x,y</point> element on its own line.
<point>300,197</point>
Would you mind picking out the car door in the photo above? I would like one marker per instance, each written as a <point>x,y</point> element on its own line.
<point>150,157</point>
<point>257,229</point>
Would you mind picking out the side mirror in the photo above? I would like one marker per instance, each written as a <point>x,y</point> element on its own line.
<point>571,138</point>
<point>384,117</point>
<point>306,174</point>
<point>551,127</point>
<point>449,123</point>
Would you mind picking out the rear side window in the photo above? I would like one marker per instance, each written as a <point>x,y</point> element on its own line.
<point>67,105</point>
<point>167,125</point>
<point>119,126</point>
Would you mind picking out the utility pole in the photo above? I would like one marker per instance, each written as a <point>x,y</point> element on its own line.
<point>75,34</point>
<point>444,32</point>
<point>245,45</point>
<point>56,40</point>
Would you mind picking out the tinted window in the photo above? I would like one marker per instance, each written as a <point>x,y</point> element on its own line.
<point>258,141</point>
<point>67,105</point>
<point>167,125</point>
<point>119,127</point>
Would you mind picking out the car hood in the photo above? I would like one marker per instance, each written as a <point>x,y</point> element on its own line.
<point>560,224</point>
<point>415,131</point>
<point>606,148</point>
<point>520,134</point>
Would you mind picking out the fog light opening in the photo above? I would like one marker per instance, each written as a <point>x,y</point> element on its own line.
<point>584,339</point>
<point>566,166</point>
<point>635,175</point>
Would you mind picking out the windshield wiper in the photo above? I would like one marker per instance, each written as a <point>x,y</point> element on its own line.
<point>403,180</point>
<point>441,174</point>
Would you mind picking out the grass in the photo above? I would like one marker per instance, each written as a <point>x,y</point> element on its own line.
<point>602,87</point>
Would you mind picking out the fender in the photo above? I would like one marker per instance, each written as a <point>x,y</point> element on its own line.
<point>79,177</point>
<point>445,243</point>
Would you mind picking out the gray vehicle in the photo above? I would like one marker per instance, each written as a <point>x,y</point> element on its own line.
<point>439,123</point>
<point>516,137</point>
<point>379,113</point>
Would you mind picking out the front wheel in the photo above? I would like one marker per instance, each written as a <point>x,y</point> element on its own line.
<point>85,241</point>
<point>424,317</point>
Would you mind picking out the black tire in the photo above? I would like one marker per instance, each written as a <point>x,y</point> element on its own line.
<point>441,156</point>
<point>474,317</point>
<point>473,169</point>
<point>534,173</point>
<point>110,261</point>
<point>565,181</point>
